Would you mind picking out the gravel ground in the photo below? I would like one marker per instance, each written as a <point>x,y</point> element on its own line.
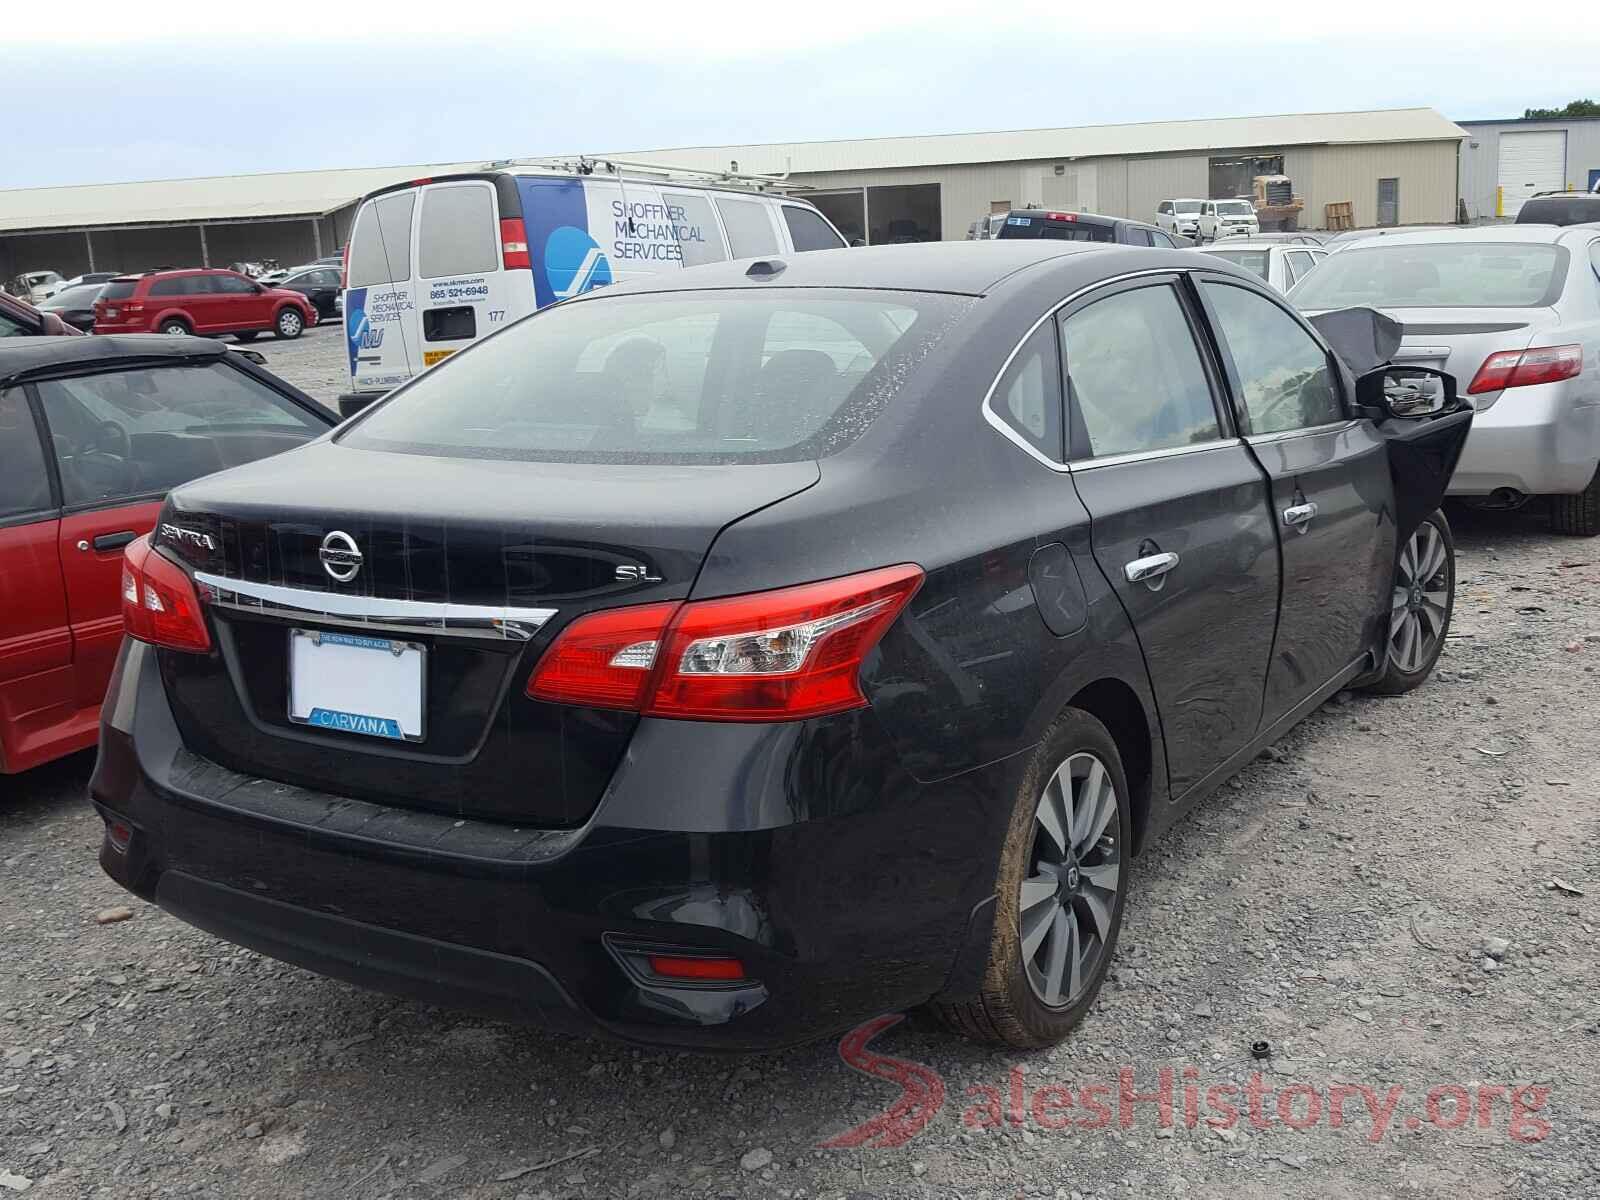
<point>315,362</point>
<point>1374,898</point>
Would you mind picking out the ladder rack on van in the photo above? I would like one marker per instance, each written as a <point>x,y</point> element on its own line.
<point>586,165</point>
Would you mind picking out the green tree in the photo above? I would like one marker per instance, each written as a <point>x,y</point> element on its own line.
<point>1578,108</point>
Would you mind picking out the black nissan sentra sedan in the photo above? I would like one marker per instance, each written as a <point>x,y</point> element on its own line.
<point>723,658</point>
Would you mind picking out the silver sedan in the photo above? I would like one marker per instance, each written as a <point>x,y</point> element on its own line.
<point>1513,312</point>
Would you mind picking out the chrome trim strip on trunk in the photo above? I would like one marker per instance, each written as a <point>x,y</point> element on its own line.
<point>501,623</point>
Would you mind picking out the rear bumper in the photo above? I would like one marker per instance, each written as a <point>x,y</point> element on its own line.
<point>1539,440</point>
<point>850,903</point>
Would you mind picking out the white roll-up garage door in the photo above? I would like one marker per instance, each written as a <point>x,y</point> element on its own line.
<point>1532,161</point>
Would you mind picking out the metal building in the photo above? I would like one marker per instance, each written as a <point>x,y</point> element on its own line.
<point>1503,163</point>
<point>1394,166</point>
<point>292,216</point>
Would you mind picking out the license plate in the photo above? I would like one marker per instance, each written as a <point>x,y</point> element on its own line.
<point>352,683</point>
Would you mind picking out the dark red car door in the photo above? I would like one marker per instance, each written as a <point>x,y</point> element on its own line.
<point>37,693</point>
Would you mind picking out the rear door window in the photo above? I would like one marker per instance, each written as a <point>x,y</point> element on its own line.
<point>750,231</point>
<point>1135,380</point>
<point>457,234</point>
<point>1028,396</point>
<point>808,230</point>
<point>696,227</point>
<point>24,485</point>
<point>182,285</point>
<point>133,433</point>
<point>380,246</point>
<point>1298,264</point>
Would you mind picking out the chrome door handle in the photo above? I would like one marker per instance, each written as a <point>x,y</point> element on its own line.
<point>1142,570</point>
<point>1299,514</point>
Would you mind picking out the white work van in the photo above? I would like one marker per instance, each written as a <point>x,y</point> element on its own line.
<point>435,264</point>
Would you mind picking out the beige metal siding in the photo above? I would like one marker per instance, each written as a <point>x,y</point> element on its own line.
<point>1328,174</point>
<point>1152,180</point>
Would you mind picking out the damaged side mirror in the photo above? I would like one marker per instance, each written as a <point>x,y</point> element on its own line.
<point>1405,392</point>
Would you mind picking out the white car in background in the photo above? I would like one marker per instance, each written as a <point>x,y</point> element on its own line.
<point>1227,218</point>
<point>1281,264</point>
<point>1180,217</point>
<point>36,286</point>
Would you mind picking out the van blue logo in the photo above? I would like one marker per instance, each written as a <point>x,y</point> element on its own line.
<point>574,262</point>
<point>356,325</point>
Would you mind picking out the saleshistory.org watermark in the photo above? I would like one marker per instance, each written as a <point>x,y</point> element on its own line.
<point>1179,1096</point>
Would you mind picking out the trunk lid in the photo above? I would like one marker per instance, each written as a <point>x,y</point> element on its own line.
<point>444,535</point>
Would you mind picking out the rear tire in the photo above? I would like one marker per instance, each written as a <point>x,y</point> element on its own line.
<point>173,327</point>
<point>288,323</point>
<point>1578,515</point>
<point>1033,991</point>
<point>1422,600</point>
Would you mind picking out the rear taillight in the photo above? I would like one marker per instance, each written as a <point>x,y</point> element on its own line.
<point>159,603</point>
<point>1522,368</point>
<point>603,660</point>
<point>782,655</point>
<point>514,243</point>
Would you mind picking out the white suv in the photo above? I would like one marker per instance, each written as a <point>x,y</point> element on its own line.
<point>1180,217</point>
<point>1227,218</point>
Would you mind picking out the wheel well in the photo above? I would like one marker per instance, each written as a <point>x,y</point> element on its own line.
<point>177,318</point>
<point>1116,706</point>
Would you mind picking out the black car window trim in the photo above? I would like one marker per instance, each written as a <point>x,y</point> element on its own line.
<point>41,429</point>
<point>1235,390</point>
<point>1000,426</point>
<point>1189,305</point>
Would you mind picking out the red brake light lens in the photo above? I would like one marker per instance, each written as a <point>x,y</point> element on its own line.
<point>514,243</point>
<point>708,970</point>
<point>604,659</point>
<point>782,655</point>
<point>1059,216</point>
<point>159,601</point>
<point>1523,368</point>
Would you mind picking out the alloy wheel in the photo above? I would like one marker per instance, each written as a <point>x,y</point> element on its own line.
<point>290,323</point>
<point>1074,872</point>
<point>1420,599</point>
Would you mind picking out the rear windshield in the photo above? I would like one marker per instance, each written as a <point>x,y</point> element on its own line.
<point>691,377</point>
<point>1254,261</point>
<point>1060,231</point>
<point>1437,275</point>
<point>1559,210</point>
<point>119,290</point>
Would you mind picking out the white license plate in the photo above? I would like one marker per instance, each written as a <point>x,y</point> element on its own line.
<point>353,683</point>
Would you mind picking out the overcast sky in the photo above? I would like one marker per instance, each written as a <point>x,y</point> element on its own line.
<point>339,84</point>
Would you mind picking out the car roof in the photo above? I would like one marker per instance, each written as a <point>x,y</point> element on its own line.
<point>1481,233</point>
<point>29,355</point>
<point>960,268</point>
<point>1246,244</point>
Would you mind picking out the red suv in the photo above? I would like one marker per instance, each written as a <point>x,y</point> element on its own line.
<point>202,301</point>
